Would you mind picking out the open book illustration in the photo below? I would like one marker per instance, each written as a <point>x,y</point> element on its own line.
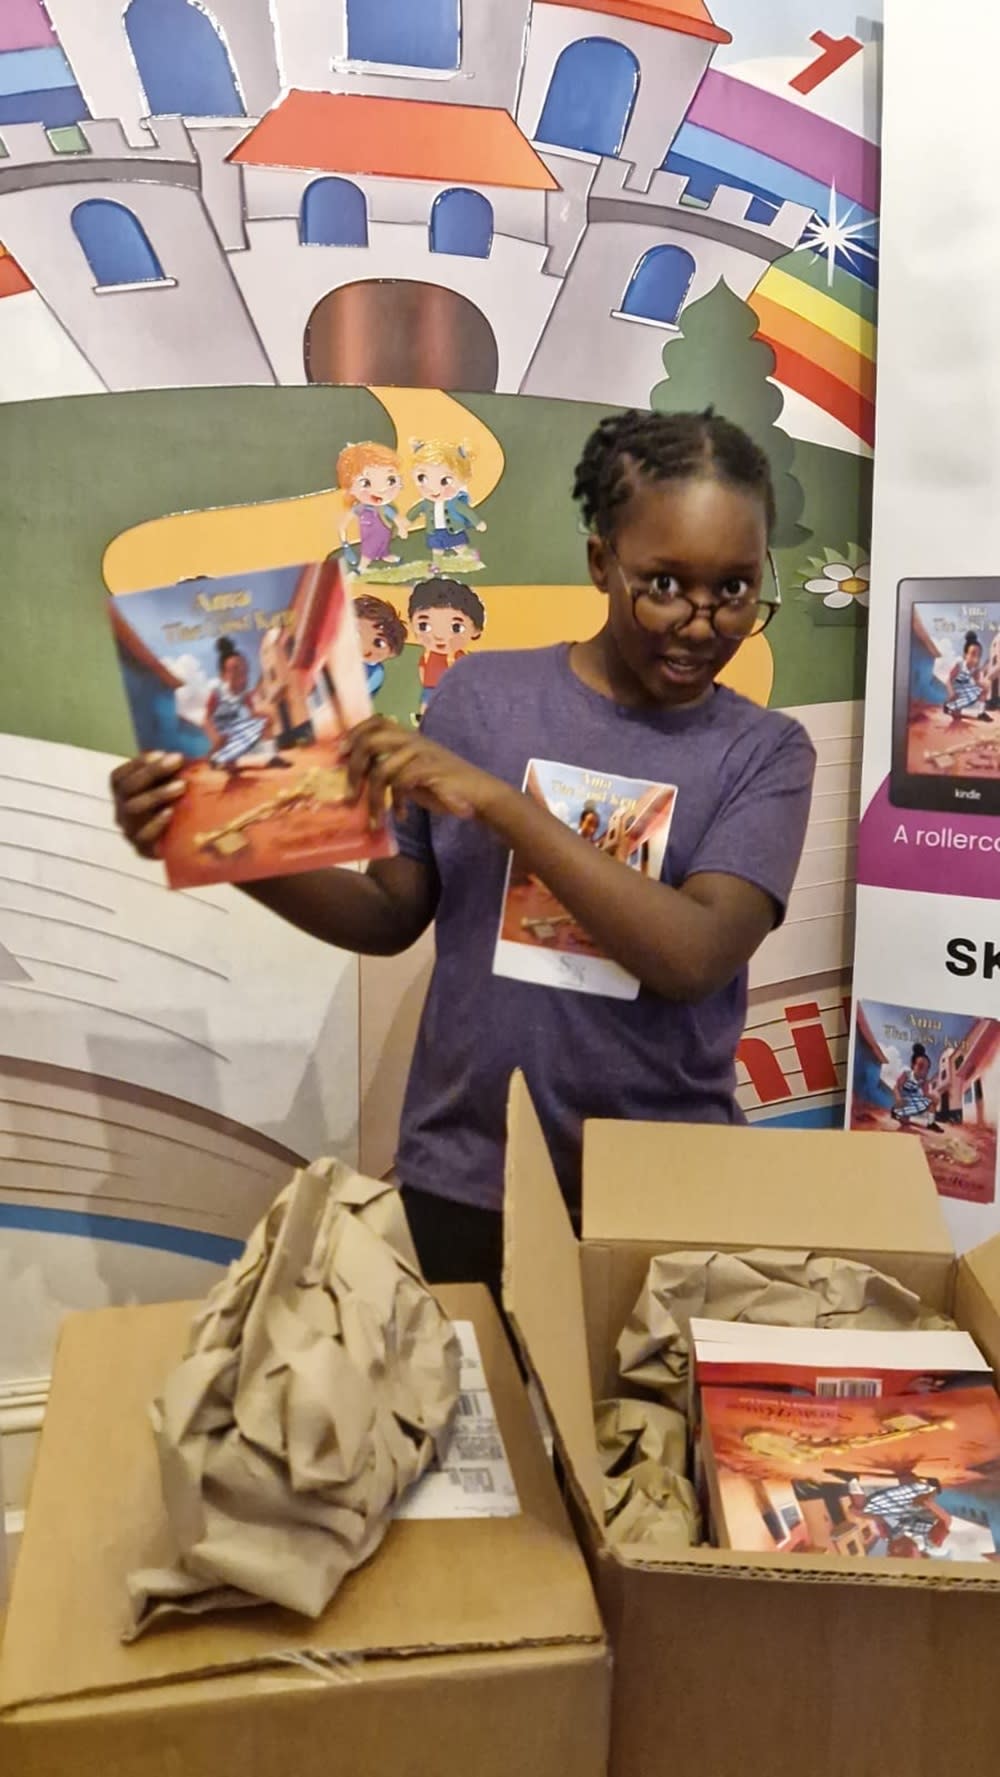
<point>254,679</point>
<point>628,819</point>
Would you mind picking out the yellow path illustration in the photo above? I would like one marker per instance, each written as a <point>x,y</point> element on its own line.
<point>279,533</point>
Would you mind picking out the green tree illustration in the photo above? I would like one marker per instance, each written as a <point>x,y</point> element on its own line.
<point>717,362</point>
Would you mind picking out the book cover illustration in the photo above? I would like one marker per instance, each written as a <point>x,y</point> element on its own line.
<point>833,1363</point>
<point>904,1477</point>
<point>953,721</point>
<point>628,819</point>
<point>935,1075</point>
<point>254,679</point>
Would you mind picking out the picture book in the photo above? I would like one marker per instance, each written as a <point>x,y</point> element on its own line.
<point>254,679</point>
<point>626,818</point>
<point>831,1363</point>
<point>934,1076</point>
<point>902,1476</point>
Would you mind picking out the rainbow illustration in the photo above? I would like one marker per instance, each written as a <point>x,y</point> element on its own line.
<point>816,306</point>
<point>37,84</point>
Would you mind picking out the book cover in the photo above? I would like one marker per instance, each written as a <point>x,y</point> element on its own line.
<point>934,1076</point>
<point>628,819</point>
<point>833,1363</point>
<point>254,679</point>
<point>896,1477</point>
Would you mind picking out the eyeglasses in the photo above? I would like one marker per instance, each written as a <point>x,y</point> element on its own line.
<point>659,609</point>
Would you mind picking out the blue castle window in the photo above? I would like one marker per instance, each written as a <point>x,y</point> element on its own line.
<point>591,98</point>
<point>115,243</point>
<point>659,285</point>
<point>462,223</point>
<point>406,33</point>
<point>183,63</point>
<point>334,214</point>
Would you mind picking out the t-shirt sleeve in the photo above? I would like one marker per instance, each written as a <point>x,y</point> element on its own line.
<point>450,719</point>
<point>759,832</point>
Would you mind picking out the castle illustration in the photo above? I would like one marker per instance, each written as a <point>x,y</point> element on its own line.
<point>463,194</point>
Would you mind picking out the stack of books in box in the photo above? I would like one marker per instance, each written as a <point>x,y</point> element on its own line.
<point>848,1443</point>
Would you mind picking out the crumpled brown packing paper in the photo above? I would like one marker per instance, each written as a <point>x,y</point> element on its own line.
<point>648,1499</point>
<point>320,1378</point>
<point>768,1288</point>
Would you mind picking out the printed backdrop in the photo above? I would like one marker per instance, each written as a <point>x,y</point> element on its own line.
<point>259,260</point>
<point>926,1055</point>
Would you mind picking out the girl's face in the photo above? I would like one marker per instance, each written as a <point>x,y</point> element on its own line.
<point>921,1067</point>
<point>973,657</point>
<point>234,673</point>
<point>377,485</point>
<point>436,482</point>
<point>699,539</point>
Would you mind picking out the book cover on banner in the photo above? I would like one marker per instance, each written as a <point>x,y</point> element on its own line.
<point>254,679</point>
<point>901,1476</point>
<point>628,819</point>
<point>934,1076</point>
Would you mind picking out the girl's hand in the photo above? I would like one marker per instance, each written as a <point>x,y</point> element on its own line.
<point>384,760</point>
<point>146,791</point>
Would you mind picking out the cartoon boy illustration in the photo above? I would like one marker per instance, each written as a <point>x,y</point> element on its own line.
<point>382,633</point>
<point>967,684</point>
<point>441,472</point>
<point>444,615</point>
<point>371,479</point>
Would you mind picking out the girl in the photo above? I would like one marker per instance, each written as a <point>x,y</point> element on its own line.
<point>913,1093</point>
<point>679,509</point>
<point>234,722</point>
<point>441,472</point>
<point>967,693</point>
<point>371,479</point>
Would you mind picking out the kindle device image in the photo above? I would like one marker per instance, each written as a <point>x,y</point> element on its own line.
<point>946,714</point>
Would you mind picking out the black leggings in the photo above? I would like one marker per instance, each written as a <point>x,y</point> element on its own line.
<point>455,1242</point>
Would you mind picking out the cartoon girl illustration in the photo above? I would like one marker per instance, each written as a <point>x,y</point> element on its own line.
<point>967,688</point>
<point>234,721</point>
<point>371,479</point>
<point>913,1094</point>
<point>441,472</point>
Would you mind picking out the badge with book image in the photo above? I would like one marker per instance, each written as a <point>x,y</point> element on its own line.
<point>626,818</point>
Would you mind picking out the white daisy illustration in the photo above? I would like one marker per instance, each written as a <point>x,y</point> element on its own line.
<point>840,585</point>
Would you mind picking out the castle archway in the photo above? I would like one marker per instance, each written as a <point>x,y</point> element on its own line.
<point>394,332</point>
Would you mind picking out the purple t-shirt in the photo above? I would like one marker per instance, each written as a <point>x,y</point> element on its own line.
<point>743,778</point>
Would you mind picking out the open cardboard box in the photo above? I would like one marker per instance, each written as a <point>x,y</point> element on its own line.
<point>726,1664</point>
<point>464,1646</point>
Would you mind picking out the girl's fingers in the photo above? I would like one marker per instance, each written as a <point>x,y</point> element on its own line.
<point>145,841</point>
<point>162,796</point>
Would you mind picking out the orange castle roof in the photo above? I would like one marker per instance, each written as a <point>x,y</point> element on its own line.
<point>394,139</point>
<point>689,17</point>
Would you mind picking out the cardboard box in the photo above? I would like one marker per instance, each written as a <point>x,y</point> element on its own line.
<point>465,1647</point>
<point>732,1665</point>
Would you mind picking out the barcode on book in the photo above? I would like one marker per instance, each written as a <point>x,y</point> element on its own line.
<point>848,1388</point>
<point>468,1406</point>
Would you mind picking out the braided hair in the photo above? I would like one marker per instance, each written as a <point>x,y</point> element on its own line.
<point>631,448</point>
